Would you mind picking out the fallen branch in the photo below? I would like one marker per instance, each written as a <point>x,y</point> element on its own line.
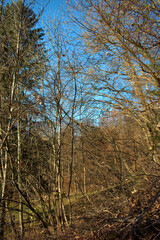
<point>139,218</point>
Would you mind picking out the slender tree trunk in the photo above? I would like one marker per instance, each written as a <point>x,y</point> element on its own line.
<point>16,85</point>
<point>71,171</point>
<point>19,178</point>
<point>84,166</point>
<point>84,172</point>
<point>4,164</point>
<point>82,151</point>
<point>61,210</point>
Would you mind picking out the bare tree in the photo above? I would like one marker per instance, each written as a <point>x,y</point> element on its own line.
<point>123,40</point>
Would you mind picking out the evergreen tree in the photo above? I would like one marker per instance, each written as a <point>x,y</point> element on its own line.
<point>22,46</point>
<point>22,67</point>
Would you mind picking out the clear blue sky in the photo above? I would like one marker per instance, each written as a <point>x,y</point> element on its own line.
<point>53,8</point>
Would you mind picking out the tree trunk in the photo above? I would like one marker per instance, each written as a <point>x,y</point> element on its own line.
<point>19,179</point>
<point>4,163</point>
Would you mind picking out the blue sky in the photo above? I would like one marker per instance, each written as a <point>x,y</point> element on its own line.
<point>53,8</point>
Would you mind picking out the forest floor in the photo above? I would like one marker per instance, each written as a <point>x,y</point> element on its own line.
<point>109,215</point>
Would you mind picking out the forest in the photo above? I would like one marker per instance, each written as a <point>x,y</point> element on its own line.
<point>80,121</point>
